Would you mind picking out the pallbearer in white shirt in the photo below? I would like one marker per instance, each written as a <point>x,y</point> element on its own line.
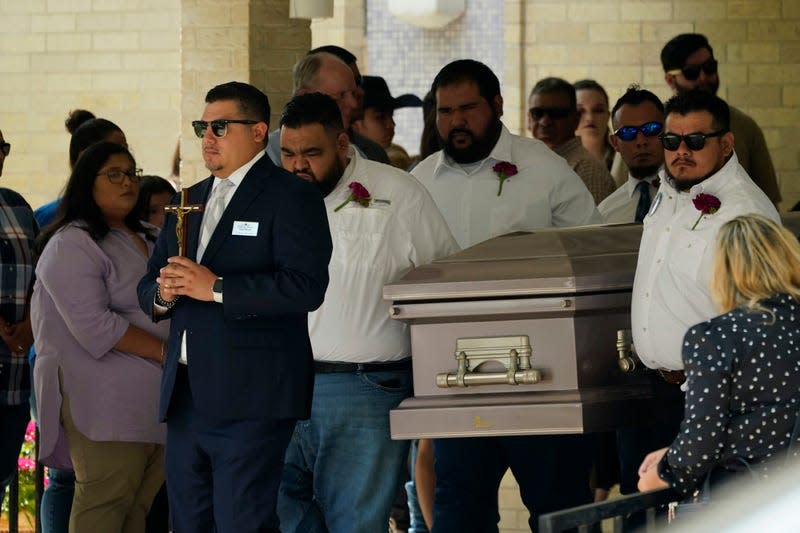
<point>342,468</point>
<point>489,182</point>
<point>671,290</point>
<point>638,119</point>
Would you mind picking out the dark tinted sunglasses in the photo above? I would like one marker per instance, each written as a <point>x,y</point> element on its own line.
<point>692,72</point>
<point>694,141</point>
<point>218,127</point>
<point>629,133</point>
<point>555,113</point>
<point>5,148</point>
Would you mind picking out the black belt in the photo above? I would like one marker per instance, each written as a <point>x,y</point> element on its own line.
<point>324,367</point>
<point>675,377</point>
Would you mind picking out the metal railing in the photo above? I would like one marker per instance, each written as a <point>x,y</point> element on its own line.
<point>13,494</point>
<point>584,517</point>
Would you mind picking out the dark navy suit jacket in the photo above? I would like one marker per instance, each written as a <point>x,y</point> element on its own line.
<point>250,357</point>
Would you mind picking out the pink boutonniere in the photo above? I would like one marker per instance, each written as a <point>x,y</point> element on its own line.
<point>358,193</point>
<point>504,170</point>
<point>707,204</point>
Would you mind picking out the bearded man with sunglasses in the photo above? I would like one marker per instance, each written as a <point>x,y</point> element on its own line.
<point>689,64</point>
<point>702,187</point>
<point>238,367</point>
<point>638,119</point>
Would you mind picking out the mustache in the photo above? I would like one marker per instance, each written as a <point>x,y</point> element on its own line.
<point>683,159</point>
<point>456,131</point>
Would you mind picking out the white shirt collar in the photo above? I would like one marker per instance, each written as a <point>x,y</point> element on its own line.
<point>238,175</point>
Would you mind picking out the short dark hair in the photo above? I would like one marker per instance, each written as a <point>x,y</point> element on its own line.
<point>78,203</point>
<point>149,186</point>
<point>312,108</point>
<point>636,96</point>
<point>463,70</point>
<point>556,85</point>
<point>338,51</point>
<point>590,85</point>
<point>253,103</point>
<point>679,48</point>
<point>699,100</point>
<point>88,133</point>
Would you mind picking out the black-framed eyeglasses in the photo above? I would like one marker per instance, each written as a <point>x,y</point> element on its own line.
<point>5,148</point>
<point>117,175</point>
<point>694,141</point>
<point>555,113</point>
<point>692,72</point>
<point>648,129</point>
<point>218,127</point>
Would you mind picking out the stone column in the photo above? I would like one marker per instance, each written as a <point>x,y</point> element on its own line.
<point>253,41</point>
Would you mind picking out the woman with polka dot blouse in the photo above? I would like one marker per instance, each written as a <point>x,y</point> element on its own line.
<point>742,367</point>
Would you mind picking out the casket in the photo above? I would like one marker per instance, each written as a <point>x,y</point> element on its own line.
<point>524,334</point>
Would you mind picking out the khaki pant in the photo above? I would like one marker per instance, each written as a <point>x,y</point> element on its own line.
<point>115,482</point>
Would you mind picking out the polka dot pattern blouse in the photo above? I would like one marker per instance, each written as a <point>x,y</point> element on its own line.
<point>743,388</point>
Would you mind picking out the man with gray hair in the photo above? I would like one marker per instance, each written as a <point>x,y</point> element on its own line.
<point>326,73</point>
<point>553,119</point>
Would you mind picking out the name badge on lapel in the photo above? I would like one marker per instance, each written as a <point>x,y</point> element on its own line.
<point>245,229</point>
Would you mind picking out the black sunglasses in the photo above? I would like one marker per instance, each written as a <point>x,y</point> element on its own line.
<point>5,148</point>
<point>218,127</point>
<point>629,133</point>
<point>555,113</point>
<point>692,72</point>
<point>694,141</point>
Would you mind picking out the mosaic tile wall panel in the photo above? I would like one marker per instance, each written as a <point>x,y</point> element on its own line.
<point>409,57</point>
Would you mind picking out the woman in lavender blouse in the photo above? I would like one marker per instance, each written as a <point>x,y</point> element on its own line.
<point>98,368</point>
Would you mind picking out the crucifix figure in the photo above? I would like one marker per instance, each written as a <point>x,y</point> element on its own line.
<point>181,225</point>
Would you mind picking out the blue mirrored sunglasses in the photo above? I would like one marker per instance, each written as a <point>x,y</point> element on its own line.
<point>629,133</point>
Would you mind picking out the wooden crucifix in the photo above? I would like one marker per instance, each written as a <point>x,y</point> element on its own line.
<point>182,224</point>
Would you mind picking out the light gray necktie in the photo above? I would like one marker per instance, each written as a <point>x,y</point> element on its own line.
<point>213,212</point>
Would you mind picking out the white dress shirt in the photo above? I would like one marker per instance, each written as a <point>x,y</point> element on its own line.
<point>373,246</point>
<point>620,205</point>
<point>671,290</point>
<point>544,193</point>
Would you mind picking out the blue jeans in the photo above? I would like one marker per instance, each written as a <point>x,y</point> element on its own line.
<point>342,469</point>
<point>57,500</point>
<point>552,472</point>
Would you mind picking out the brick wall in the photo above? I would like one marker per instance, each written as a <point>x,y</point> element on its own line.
<point>618,42</point>
<point>243,40</point>
<point>117,58</point>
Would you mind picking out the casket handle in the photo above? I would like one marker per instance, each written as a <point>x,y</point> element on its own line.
<point>518,365</point>
<point>628,360</point>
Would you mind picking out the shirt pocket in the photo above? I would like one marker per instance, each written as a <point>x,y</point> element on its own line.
<point>687,252</point>
<point>360,238</point>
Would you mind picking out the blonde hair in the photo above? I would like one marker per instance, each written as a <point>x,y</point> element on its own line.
<point>755,258</point>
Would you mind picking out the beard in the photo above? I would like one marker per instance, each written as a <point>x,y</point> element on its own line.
<point>481,145</point>
<point>686,184</point>
<point>328,181</point>
<point>709,87</point>
<point>643,172</point>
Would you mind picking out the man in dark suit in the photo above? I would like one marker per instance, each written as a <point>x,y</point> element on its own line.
<point>238,370</point>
